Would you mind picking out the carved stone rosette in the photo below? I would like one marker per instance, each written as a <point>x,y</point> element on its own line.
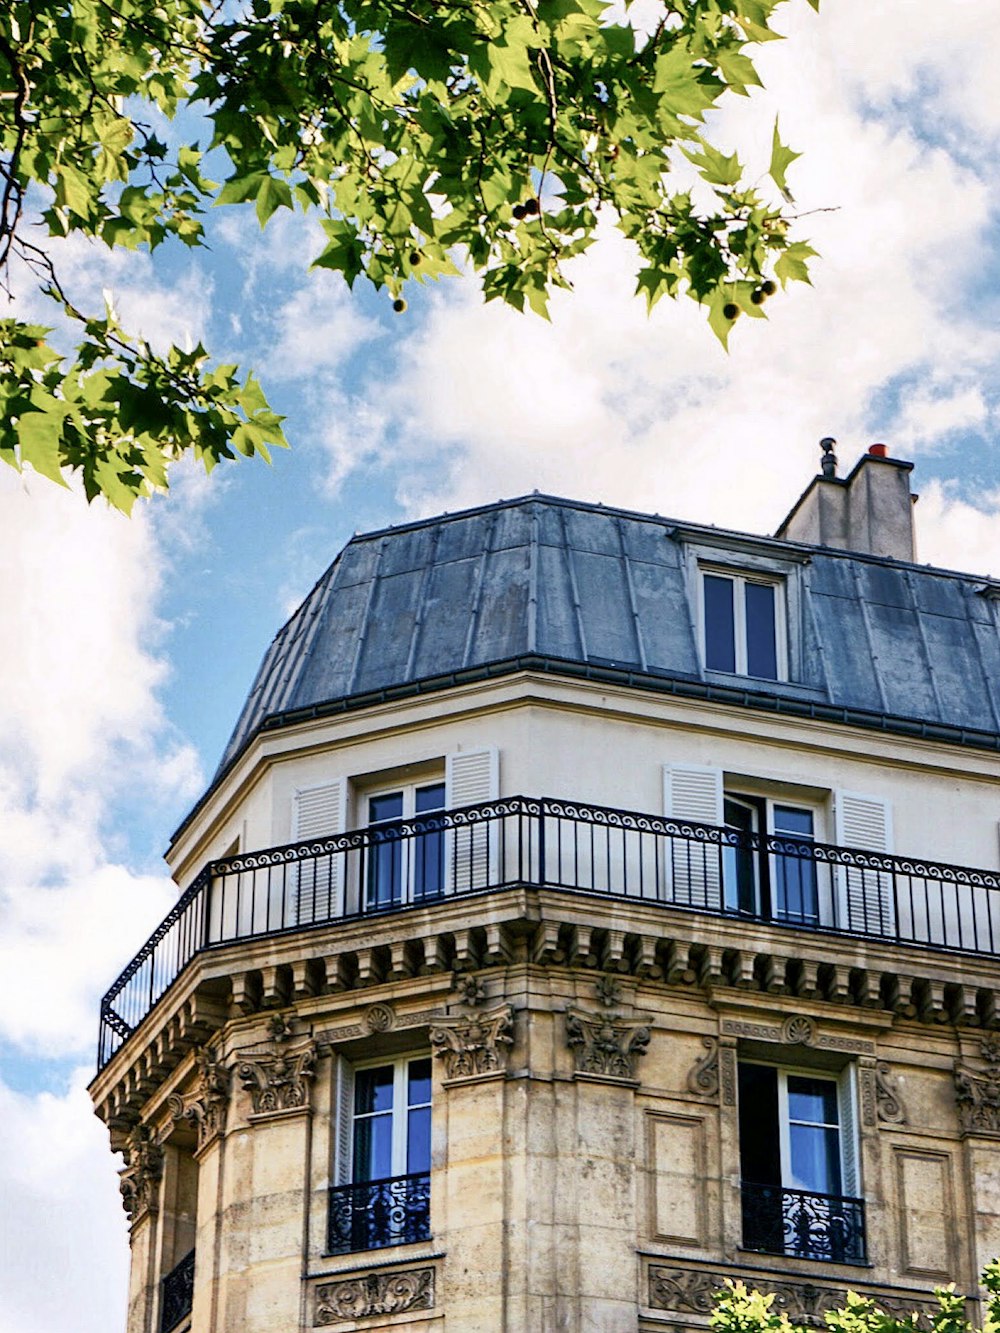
<point>206,1107</point>
<point>278,1075</point>
<point>474,1045</point>
<point>977,1092</point>
<point>141,1176</point>
<point>606,1045</point>
<point>376,1293</point>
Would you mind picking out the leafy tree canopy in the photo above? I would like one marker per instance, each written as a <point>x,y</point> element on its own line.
<point>424,133</point>
<point>739,1310</point>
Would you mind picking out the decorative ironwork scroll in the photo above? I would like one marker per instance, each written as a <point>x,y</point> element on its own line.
<point>373,1214</point>
<point>177,1294</point>
<point>803,1224</point>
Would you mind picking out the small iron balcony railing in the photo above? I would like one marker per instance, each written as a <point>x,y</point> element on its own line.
<point>373,1214</point>
<point>177,1294</point>
<point>803,1224</point>
<point>564,845</point>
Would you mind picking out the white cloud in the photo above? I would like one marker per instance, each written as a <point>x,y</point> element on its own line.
<point>63,1253</point>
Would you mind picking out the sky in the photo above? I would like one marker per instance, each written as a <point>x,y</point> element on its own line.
<point>129,645</point>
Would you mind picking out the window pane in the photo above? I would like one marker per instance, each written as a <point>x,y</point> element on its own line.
<point>373,1147</point>
<point>420,1082</point>
<point>789,819</point>
<point>418,1140</point>
<point>389,806</point>
<point>760,1149</point>
<point>720,627</point>
<point>815,1159</point>
<point>430,798</point>
<point>813,1100</point>
<point>385,873</point>
<point>762,648</point>
<point>373,1090</point>
<point>739,863</point>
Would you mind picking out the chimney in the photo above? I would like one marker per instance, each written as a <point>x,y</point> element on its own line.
<point>870,511</point>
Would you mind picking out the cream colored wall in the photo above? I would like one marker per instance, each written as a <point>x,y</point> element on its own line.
<point>607,748</point>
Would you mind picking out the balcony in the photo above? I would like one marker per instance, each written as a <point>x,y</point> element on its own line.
<point>582,849</point>
<point>373,1214</point>
<point>803,1224</point>
<point>177,1294</point>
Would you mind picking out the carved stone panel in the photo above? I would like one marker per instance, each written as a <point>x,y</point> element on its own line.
<point>207,1106</point>
<point>352,1298</point>
<point>606,1045</point>
<point>474,1045</point>
<point>278,1075</point>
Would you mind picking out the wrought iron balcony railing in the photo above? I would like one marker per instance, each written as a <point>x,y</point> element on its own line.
<point>177,1294</point>
<point>804,1224</point>
<point>375,1213</point>
<point>564,845</point>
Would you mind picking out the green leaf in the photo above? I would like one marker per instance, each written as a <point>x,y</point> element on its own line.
<point>39,435</point>
<point>715,166</point>
<point>791,266</point>
<point>781,159</point>
<point>272,194</point>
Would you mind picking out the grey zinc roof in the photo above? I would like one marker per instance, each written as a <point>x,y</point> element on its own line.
<point>583,589</point>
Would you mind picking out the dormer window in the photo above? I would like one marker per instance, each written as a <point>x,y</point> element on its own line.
<point>743,624</point>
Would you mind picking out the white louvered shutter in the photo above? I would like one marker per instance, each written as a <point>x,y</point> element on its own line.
<point>316,891</point>
<point>472,852</point>
<point>343,1144</point>
<point>693,869</point>
<point>847,1104</point>
<point>866,897</point>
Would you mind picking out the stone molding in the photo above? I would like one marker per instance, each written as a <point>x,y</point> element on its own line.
<point>206,1108</point>
<point>691,1291</point>
<point>352,1298</point>
<point>474,1045</point>
<point>797,1030</point>
<point>374,1015</point>
<point>977,1092</point>
<point>142,1174</point>
<point>606,1045</point>
<point>279,1074</point>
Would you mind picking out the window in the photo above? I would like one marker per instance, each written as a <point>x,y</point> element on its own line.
<point>798,1164</point>
<point>387,1200</point>
<point>742,619</point>
<point>781,887</point>
<point>404,868</point>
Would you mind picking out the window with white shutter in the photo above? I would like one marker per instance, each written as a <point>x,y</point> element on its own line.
<point>473,852</point>
<point>692,867</point>
<point>314,888</point>
<point>866,895</point>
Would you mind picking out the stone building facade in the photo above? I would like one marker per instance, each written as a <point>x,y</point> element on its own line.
<point>582,914</point>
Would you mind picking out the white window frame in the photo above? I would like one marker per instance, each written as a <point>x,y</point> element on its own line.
<point>400,1108</point>
<point>408,791</point>
<point>818,810</point>
<point>739,578</point>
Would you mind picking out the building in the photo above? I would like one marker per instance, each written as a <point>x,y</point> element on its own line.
<point>579,917</point>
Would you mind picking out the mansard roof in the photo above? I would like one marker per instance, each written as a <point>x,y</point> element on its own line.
<point>583,589</point>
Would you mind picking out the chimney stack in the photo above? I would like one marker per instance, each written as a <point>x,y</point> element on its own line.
<point>869,511</point>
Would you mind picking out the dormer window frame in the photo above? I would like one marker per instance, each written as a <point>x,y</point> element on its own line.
<point>742,581</point>
<point>753,567</point>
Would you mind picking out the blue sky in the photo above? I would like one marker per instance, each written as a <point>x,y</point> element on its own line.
<point>130,645</point>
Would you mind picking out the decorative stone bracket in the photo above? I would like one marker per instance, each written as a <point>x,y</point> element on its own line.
<point>474,1045</point>
<point>977,1092</point>
<point>207,1106</point>
<point>142,1173</point>
<point>279,1074</point>
<point>606,1045</point>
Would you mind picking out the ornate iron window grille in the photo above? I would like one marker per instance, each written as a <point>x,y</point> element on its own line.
<point>564,845</point>
<point>372,1214</point>
<point>177,1294</point>
<point>806,1225</point>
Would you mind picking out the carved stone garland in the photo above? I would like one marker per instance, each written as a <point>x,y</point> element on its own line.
<point>206,1108</point>
<point>376,1293</point>
<point>278,1075</point>
<point>977,1092</point>
<point>607,1045</point>
<point>474,1045</point>
<point>142,1173</point>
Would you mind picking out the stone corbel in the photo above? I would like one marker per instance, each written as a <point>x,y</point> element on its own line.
<point>474,1045</point>
<point>140,1179</point>
<point>977,1092</point>
<point>206,1108</point>
<point>350,1298</point>
<point>278,1074</point>
<point>606,1045</point>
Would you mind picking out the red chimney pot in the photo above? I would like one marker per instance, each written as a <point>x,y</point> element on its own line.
<point>879,450</point>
